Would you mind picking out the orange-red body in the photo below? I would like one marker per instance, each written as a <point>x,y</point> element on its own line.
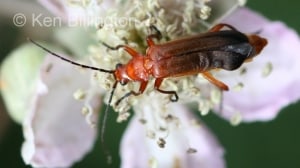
<point>217,49</point>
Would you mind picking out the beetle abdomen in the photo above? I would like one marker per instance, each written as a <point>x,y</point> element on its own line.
<point>196,44</point>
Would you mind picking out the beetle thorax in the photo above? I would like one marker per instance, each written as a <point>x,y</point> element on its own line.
<point>134,70</point>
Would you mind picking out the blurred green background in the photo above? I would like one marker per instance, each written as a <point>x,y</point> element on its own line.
<point>273,144</point>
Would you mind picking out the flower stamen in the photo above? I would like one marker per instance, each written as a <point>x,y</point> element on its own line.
<point>267,70</point>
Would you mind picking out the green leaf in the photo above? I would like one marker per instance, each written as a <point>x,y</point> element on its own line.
<point>19,74</point>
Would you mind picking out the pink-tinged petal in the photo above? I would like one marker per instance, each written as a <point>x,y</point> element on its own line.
<point>246,20</point>
<point>70,12</point>
<point>261,98</point>
<point>56,133</point>
<point>138,150</point>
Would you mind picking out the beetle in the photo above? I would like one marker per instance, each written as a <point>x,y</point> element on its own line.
<point>218,48</point>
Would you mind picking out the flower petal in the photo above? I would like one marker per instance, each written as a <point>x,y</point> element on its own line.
<point>56,133</point>
<point>262,97</point>
<point>73,11</point>
<point>138,150</point>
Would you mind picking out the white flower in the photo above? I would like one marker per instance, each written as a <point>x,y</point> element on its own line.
<point>258,90</point>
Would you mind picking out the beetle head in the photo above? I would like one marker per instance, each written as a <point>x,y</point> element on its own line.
<point>121,74</point>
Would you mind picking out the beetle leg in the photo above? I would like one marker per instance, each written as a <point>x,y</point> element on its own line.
<point>218,27</point>
<point>141,90</point>
<point>157,84</point>
<point>156,35</point>
<point>215,81</point>
<point>128,49</point>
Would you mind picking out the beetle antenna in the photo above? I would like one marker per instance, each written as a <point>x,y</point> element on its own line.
<point>103,125</point>
<point>72,62</point>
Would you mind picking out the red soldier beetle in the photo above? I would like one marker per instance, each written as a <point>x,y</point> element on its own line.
<point>224,49</point>
<point>216,49</point>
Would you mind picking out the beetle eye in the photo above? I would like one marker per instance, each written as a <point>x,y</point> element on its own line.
<point>123,82</point>
<point>118,65</point>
